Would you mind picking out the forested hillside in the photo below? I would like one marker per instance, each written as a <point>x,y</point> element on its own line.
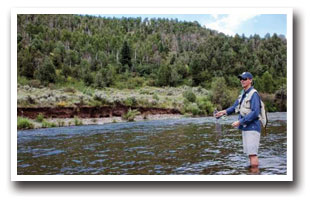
<point>131,52</point>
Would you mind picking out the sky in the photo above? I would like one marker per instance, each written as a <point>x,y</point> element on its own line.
<point>230,24</point>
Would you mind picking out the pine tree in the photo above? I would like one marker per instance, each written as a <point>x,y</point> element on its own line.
<point>125,56</point>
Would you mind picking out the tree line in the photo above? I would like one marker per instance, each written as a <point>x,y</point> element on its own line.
<point>134,52</point>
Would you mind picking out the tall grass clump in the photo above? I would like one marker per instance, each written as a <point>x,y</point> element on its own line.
<point>46,124</point>
<point>77,121</point>
<point>130,115</point>
<point>24,123</point>
<point>40,118</point>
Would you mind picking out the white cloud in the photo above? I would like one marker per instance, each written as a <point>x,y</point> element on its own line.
<point>229,23</point>
<point>215,16</point>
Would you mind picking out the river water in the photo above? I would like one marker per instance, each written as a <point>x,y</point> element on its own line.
<point>160,147</point>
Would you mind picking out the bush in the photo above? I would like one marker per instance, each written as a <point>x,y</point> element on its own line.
<point>205,106</point>
<point>30,100</point>
<point>189,95</point>
<point>135,82</point>
<point>131,101</point>
<point>22,80</point>
<point>101,98</point>
<point>77,121</point>
<point>270,107</point>
<point>194,109</point>
<point>130,115</point>
<point>40,118</point>
<point>35,83</point>
<point>155,96</point>
<point>24,123</point>
<point>46,124</point>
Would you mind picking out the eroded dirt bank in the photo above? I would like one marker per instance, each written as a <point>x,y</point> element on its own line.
<point>88,112</point>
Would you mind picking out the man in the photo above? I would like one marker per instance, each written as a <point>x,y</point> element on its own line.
<point>248,106</point>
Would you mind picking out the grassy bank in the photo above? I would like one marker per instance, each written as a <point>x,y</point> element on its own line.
<point>186,99</point>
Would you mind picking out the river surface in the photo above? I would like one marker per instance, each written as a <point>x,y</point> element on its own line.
<point>160,147</point>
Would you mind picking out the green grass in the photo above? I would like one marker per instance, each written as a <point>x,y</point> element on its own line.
<point>77,121</point>
<point>130,115</point>
<point>40,118</point>
<point>46,124</point>
<point>184,98</point>
<point>24,123</point>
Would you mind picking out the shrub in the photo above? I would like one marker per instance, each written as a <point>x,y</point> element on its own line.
<point>46,124</point>
<point>101,98</point>
<point>130,115</point>
<point>40,118</point>
<point>194,109</point>
<point>22,80</point>
<point>155,96</point>
<point>35,83</point>
<point>189,95</point>
<point>30,99</point>
<point>205,106</point>
<point>135,82</point>
<point>87,91</point>
<point>24,123</point>
<point>95,103</point>
<point>270,107</point>
<point>131,101</point>
<point>77,121</point>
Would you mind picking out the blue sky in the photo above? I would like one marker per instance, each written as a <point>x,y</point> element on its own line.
<point>230,24</point>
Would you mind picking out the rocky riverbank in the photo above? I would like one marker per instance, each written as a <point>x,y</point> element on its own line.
<point>61,122</point>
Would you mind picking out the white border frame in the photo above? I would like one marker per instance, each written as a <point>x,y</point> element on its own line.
<point>155,10</point>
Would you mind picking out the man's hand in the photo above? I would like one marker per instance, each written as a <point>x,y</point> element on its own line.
<point>220,113</point>
<point>236,124</point>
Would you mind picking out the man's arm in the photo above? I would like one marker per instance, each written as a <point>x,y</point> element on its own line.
<point>229,110</point>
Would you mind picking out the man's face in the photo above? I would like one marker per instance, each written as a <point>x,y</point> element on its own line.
<point>246,82</point>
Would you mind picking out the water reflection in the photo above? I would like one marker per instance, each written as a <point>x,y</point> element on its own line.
<point>178,146</point>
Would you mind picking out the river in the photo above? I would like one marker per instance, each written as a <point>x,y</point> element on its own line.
<point>185,146</point>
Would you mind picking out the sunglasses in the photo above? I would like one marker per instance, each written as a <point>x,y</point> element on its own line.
<point>244,79</point>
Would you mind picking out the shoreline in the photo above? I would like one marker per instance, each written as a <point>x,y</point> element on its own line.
<point>65,122</point>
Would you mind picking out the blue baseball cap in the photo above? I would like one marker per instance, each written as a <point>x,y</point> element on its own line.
<point>245,75</point>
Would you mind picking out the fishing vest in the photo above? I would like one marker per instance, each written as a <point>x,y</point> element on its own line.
<point>245,107</point>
